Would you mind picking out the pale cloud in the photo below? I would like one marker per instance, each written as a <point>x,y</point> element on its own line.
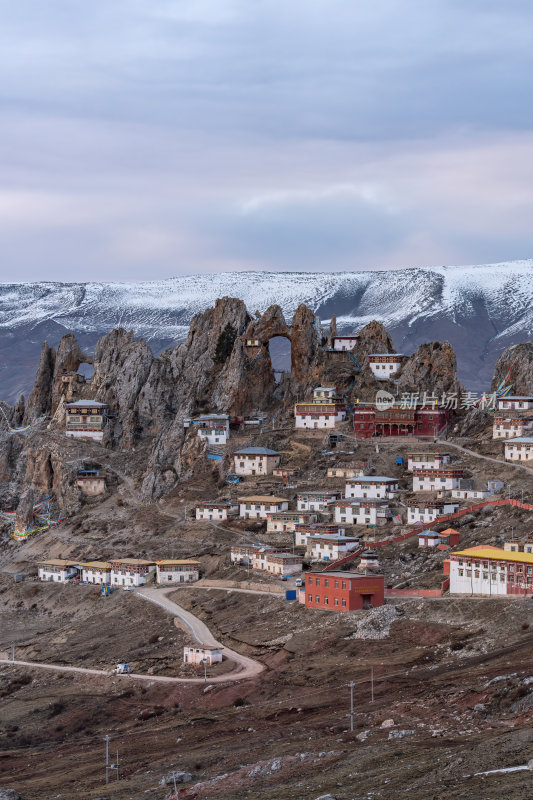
<point>143,138</point>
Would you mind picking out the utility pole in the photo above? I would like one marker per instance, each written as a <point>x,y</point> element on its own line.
<point>12,652</point>
<point>351,685</point>
<point>371,684</point>
<point>204,661</point>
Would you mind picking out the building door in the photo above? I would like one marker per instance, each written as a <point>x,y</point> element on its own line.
<point>367,601</point>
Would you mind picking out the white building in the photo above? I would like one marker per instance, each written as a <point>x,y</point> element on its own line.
<point>346,472</point>
<point>511,427</point>
<point>491,571</point>
<point>373,486</point>
<point>345,342</point>
<point>212,428</point>
<point>428,539</point>
<point>319,415</point>
<point>385,365</point>
<point>277,563</point>
<point>315,501</point>
<point>255,461</point>
<point>286,521</point>
<point>86,419</point>
<point>217,510</point>
<point>242,553</point>
<point>131,571</point>
<point>519,449</point>
<point>322,393</point>
<point>327,547</point>
<point>302,532</point>
<point>515,403</point>
<point>427,460</point>
<point>200,654</point>
<point>258,506</point>
<point>436,480</point>
<point>56,569</point>
<point>470,489</point>
<point>176,570</point>
<point>98,572</point>
<point>369,512</point>
<point>423,511</point>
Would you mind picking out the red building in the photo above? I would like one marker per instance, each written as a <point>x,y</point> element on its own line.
<point>343,591</point>
<point>397,421</point>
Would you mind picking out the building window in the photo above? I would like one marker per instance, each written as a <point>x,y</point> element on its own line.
<point>344,584</point>
<point>317,598</point>
<point>310,598</point>
<point>326,601</point>
<point>344,603</point>
<point>336,601</point>
<point>326,582</point>
<point>318,581</point>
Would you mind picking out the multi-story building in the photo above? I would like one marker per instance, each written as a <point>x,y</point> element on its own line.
<point>511,427</point>
<point>85,419</point>
<point>276,562</point>
<point>255,461</point>
<point>436,480</point>
<point>319,414</point>
<point>398,421</point>
<point>56,569</point>
<point>302,532</point>
<point>98,572</point>
<point>315,501</point>
<point>329,547</point>
<point>385,365</point>
<point>428,510</point>
<point>519,449</point>
<point>212,428</point>
<point>286,521</point>
<point>131,571</point>
<point>425,460</point>
<point>215,510</point>
<point>91,482</point>
<point>491,571</point>
<point>343,591</point>
<point>373,486</point>
<point>259,506</point>
<point>359,511</point>
<point>177,570</point>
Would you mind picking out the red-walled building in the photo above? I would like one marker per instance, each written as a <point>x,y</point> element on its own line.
<point>343,591</point>
<point>397,421</point>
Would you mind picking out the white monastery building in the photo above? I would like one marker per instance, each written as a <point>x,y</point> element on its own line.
<point>345,342</point>
<point>255,461</point>
<point>176,570</point>
<point>373,486</point>
<point>315,501</point>
<point>328,547</point>
<point>213,428</point>
<point>56,570</point>
<point>259,506</point>
<point>303,532</point>
<point>131,571</point>
<point>216,510</point>
<point>98,572</point>
<point>428,510</point>
<point>485,570</point>
<point>511,427</point>
<point>85,419</point>
<point>436,480</point>
<point>323,412</point>
<point>370,512</point>
<point>519,449</point>
<point>515,403</point>
<point>286,521</point>
<point>427,460</point>
<point>385,365</point>
<point>470,489</point>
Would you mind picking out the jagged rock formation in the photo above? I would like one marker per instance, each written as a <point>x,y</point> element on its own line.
<point>223,366</point>
<point>515,365</point>
<point>431,369</point>
<point>24,516</point>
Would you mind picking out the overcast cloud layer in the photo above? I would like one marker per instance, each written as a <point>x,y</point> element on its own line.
<point>150,138</point>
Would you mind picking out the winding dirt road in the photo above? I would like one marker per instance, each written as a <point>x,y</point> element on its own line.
<point>246,667</point>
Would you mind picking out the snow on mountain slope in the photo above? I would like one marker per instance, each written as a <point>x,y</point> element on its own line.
<point>480,309</point>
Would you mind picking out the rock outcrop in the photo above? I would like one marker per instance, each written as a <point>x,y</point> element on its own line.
<point>432,369</point>
<point>515,366</point>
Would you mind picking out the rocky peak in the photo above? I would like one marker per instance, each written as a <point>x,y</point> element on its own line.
<point>515,366</point>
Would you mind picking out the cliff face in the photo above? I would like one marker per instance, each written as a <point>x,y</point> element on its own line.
<point>431,369</point>
<point>515,366</point>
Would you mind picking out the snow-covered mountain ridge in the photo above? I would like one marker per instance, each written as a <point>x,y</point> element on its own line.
<point>480,309</point>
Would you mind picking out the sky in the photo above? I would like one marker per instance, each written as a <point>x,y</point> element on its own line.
<point>143,139</point>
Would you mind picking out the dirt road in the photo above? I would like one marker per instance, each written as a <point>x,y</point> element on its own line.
<point>485,458</point>
<point>248,668</point>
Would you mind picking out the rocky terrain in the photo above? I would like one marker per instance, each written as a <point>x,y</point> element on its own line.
<point>452,676</point>
<point>481,310</point>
